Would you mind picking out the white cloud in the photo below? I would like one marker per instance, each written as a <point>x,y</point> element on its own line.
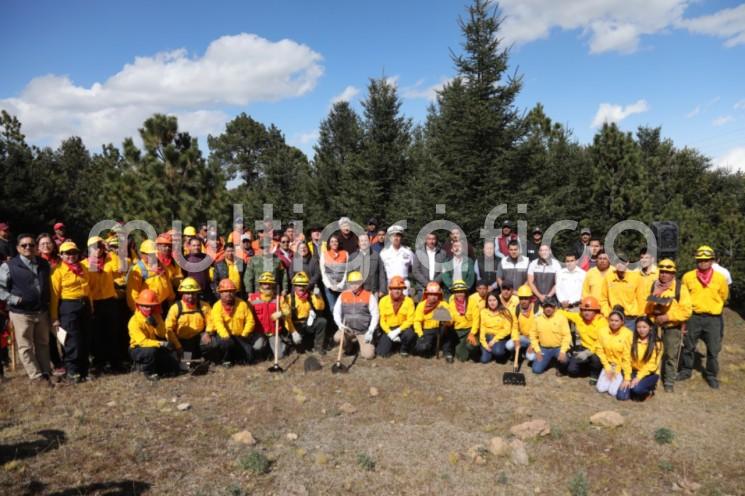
<point>733,160</point>
<point>234,70</point>
<point>610,113</point>
<point>308,138</point>
<point>615,25</point>
<point>693,113</point>
<point>424,92</point>
<point>726,23</point>
<point>346,95</point>
<point>703,107</point>
<point>740,105</point>
<point>722,120</point>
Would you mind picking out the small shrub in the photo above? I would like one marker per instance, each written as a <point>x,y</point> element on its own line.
<point>663,435</point>
<point>578,486</point>
<point>502,479</point>
<point>255,462</point>
<point>365,462</point>
<point>665,466</point>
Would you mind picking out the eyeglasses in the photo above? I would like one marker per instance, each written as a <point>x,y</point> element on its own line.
<point>27,245</point>
<point>667,267</point>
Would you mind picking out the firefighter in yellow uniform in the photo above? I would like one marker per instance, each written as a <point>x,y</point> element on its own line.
<point>709,292</point>
<point>164,246</point>
<point>525,313</point>
<point>304,310</point>
<point>152,347</point>
<point>232,338</point>
<point>396,320</point>
<point>588,323</point>
<point>427,327</point>
<point>550,337</point>
<point>464,310</point>
<point>190,318</point>
<point>669,307</point>
<point>614,350</point>
<point>496,324</point>
<point>619,290</point>
<point>149,273</point>
<point>70,309</point>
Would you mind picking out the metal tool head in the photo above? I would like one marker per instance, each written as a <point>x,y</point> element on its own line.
<point>275,368</point>
<point>339,368</point>
<point>514,379</point>
<point>442,315</point>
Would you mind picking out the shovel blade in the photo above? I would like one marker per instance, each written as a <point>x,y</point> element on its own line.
<point>339,368</point>
<point>513,379</point>
<point>201,368</point>
<point>275,368</point>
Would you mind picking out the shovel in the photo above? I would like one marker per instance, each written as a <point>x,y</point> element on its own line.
<point>441,315</point>
<point>194,366</point>
<point>514,378</point>
<point>338,367</point>
<point>276,367</point>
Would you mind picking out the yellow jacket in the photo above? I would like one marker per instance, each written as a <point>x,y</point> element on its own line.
<point>302,309</point>
<point>66,285</point>
<point>651,366</point>
<point>191,322</point>
<point>390,320</point>
<point>174,274</point>
<point>588,332</point>
<point>465,321</point>
<point>643,283</point>
<point>422,321</point>
<point>614,350</point>
<point>476,299</point>
<point>159,283</point>
<point>240,323</point>
<point>677,311</point>
<point>524,322</point>
<point>617,291</point>
<point>551,332</point>
<point>495,325</point>
<point>101,282</point>
<point>511,304</point>
<point>146,335</point>
<point>710,299</point>
<point>594,281</point>
<point>120,274</point>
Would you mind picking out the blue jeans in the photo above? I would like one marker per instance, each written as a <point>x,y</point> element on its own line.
<point>524,343</point>
<point>331,297</point>
<point>549,355</point>
<point>498,351</point>
<point>641,390</point>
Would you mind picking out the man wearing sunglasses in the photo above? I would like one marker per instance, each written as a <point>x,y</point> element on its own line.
<point>24,286</point>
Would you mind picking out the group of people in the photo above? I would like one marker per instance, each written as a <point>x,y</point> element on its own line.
<point>281,292</point>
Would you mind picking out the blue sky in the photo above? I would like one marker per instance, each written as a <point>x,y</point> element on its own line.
<point>97,69</point>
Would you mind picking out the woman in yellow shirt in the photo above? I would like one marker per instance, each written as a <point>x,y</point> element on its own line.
<point>495,324</point>
<point>646,356</point>
<point>613,348</point>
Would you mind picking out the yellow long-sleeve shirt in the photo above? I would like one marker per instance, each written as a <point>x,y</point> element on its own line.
<point>594,281</point>
<point>614,350</point>
<point>525,321</point>
<point>66,285</point>
<point>649,367</point>
<point>424,321</point>
<point>643,283</point>
<point>389,319</point>
<point>191,322</point>
<point>677,311</point>
<point>146,335</point>
<point>551,332</point>
<point>302,309</point>
<point>588,331</point>
<point>495,325</point>
<point>466,320</point>
<point>476,299</point>
<point>120,273</point>
<point>617,291</point>
<point>710,299</point>
<point>101,282</point>
<point>511,304</point>
<point>239,323</point>
<point>159,283</point>
<point>174,273</point>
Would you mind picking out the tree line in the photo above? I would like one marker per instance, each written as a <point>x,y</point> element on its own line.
<point>476,149</point>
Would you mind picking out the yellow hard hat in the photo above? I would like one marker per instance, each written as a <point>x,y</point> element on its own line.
<point>458,286</point>
<point>68,246</point>
<point>667,265</point>
<point>189,285</point>
<point>524,291</point>
<point>354,276</point>
<point>267,278</point>
<point>190,231</point>
<point>300,279</point>
<point>94,240</point>
<point>704,252</point>
<point>147,247</point>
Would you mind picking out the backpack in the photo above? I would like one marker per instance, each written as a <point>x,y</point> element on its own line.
<point>180,308</point>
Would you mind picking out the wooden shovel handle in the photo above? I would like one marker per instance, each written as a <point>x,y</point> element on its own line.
<point>517,355</point>
<point>341,345</point>
<point>276,335</point>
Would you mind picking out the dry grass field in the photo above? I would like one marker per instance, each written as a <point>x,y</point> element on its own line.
<point>426,431</point>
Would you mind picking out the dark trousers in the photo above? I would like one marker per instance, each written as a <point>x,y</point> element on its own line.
<point>385,345</point>
<point>590,366</point>
<point>426,344</point>
<point>104,333</point>
<point>641,390</point>
<point>155,360</point>
<point>314,335</point>
<point>235,349</point>
<point>73,317</point>
<point>710,330</point>
<point>192,345</point>
<point>464,351</point>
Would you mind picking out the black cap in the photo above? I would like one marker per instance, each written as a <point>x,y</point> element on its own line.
<point>551,301</point>
<point>537,229</point>
<point>372,220</point>
<point>315,228</point>
<point>507,224</point>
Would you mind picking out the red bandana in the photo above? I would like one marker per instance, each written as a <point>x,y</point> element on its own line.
<point>704,276</point>
<point>75,268</point>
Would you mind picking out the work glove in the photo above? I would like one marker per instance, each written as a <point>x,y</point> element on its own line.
<point>394,335</point>
<point>317,291</point>
<point>297,338</point>
<point>277,315</point>
<point>369,337</point>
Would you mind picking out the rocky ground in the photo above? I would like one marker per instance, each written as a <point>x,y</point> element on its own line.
<point>390,426</point>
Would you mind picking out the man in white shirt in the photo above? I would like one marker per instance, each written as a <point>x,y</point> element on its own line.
<point>723,271</point>
<point>542,274</point>
<point>397,258</point>
<point>569,281</point>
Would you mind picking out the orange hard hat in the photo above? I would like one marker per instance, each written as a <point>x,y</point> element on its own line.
<point>433,288</point>
<point>397,282</point>
<point>147,298</point>
<point>226,285</point>
<point>164,239</point>
<point>589,303</point>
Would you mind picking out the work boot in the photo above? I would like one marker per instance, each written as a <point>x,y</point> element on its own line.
<point>449,358</point>
<point>713,382</point>
<point>683,375</point>
<point>152,377</point>
<point>669,388</point>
